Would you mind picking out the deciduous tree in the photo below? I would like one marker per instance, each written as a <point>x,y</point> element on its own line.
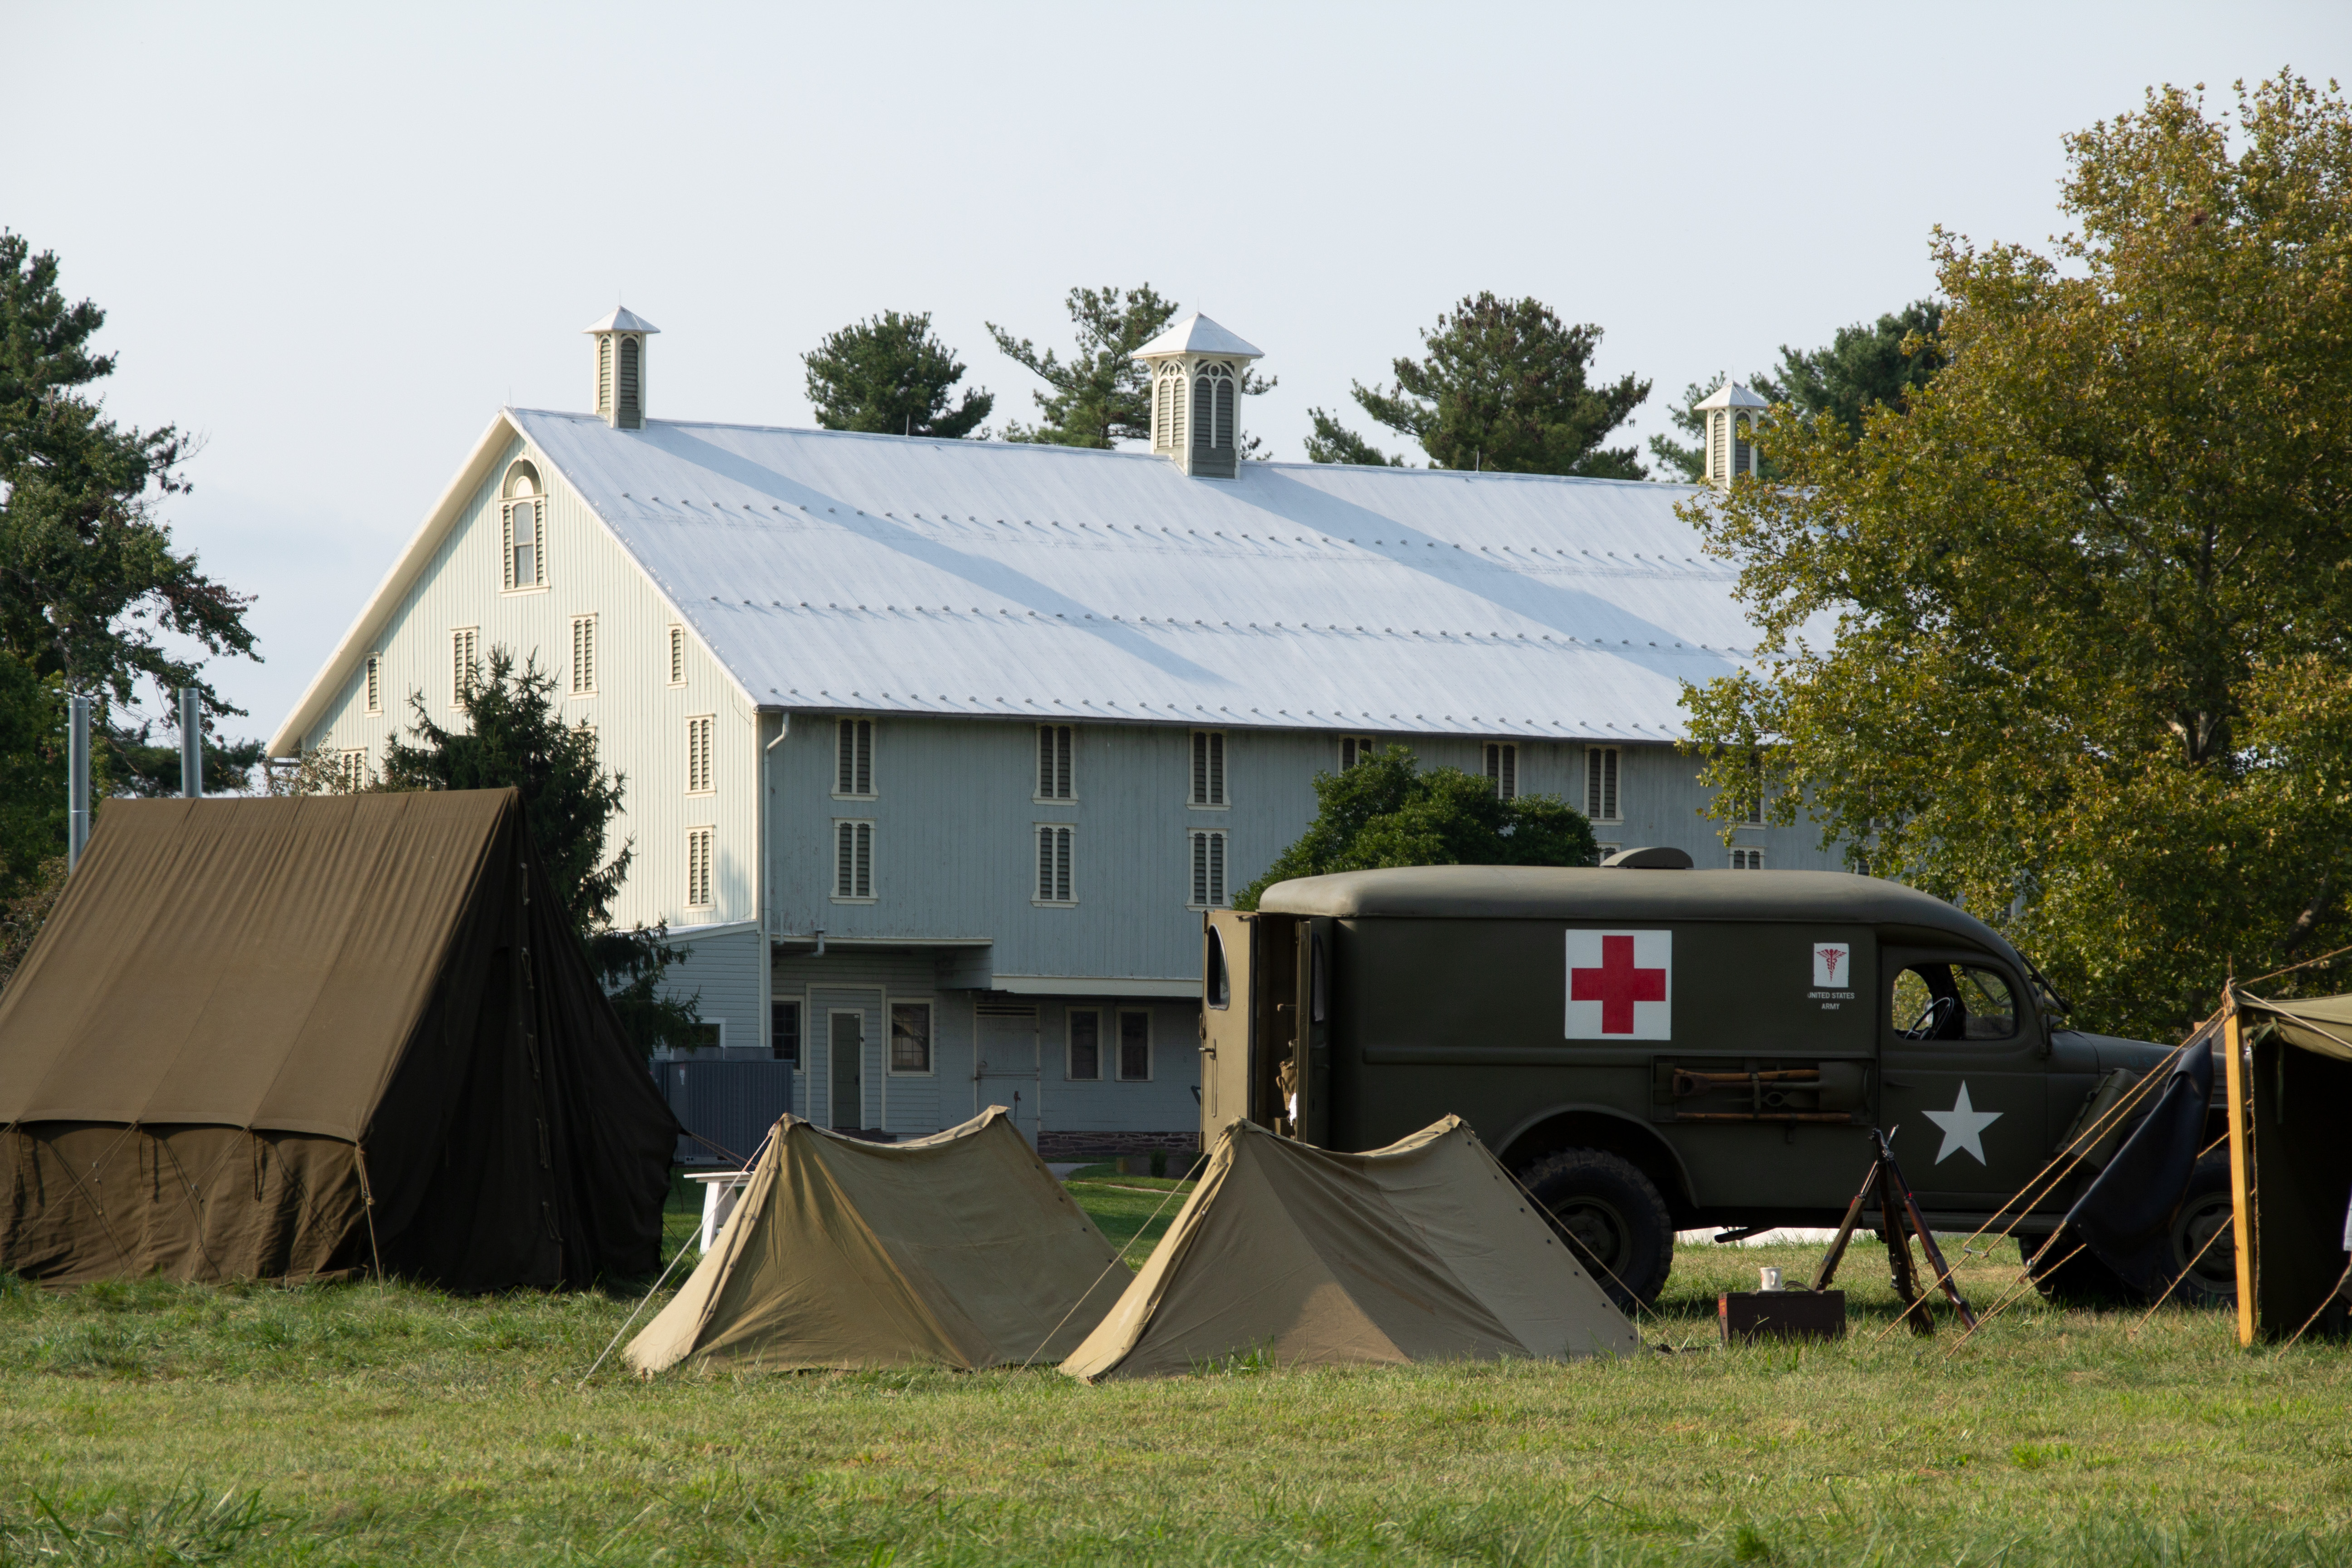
<point>2063,636</point>
<point>1386,811</point>
<point>1503,384</point>
<point>891,374</point>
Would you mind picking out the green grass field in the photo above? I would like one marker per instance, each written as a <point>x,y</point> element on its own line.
<point>154,1423</point>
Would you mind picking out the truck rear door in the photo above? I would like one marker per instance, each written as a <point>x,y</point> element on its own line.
<point>1226,976</point>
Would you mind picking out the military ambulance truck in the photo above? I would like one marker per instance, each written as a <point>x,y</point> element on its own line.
<point>1659,1050</point>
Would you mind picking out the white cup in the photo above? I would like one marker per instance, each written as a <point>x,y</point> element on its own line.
<point>1767,1279</point>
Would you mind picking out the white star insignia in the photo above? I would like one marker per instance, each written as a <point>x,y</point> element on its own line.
<point>1963,1127</point>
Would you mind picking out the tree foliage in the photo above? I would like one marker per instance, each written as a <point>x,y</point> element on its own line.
<point>890,374</point>
<point>90,585</point>
<point>1868,363</point>
<point>2064,636</point>
<point>1101,394</point>
<point>93,596</point>
<point>514,737</point>
<point>1385,811</point>
<point>1503,384</point>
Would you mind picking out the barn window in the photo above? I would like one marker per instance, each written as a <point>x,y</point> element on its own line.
<point>1054,845</point>
<point>583,656</point>
<point>465,663</point>
<point>1055,780</point>
<point>677,656</point>
<point>697,753</point>
<point>350,770</point>
<point>1208,870</point>
<point>698,867</point>
<point>1354,749</point>
<point>1208,767</point>
<point>1503,769</point>
<point>854,757</point>
<point>1085,1043</point>
<point>523,518</point>
<point>784,1031</point>
<point>910,1036</point>
<point>853,860</point>
<point>1748,859</point>
<point>375,683</point>
<point>1134,1045</point>
<point>1212,406</point>
<point>1600,783</point>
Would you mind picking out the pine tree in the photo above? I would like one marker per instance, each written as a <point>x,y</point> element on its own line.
<point>889,374</point>
<point>1504,386</point>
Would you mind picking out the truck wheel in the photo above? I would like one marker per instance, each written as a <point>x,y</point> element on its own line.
<point>1611,1217</point>
<point>2212,1279</point>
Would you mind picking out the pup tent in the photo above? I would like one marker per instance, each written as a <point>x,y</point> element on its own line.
<point>2289,1086</point>
<point>1425,1250</point>
<point>957,1250</point>
<point>311,1038</point>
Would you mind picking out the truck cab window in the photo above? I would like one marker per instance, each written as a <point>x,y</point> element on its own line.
<point>1953,1002</point>
<point>1219,988</point>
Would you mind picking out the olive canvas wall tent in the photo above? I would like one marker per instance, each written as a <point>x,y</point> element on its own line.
<point>2288,1071</point>
<point>294,1038</point>
<point>956,1250</point>
<point>1425,1250</point>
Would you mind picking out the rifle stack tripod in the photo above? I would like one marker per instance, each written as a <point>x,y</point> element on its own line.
<point>1898,1220</point>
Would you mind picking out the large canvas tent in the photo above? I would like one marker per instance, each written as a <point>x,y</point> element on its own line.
<point>304,1038</point>
<point>957,1250</point>
<point>1425,1250</point>
<point>2289,1089</point>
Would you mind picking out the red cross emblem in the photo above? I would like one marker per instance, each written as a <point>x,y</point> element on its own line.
<point>1617,983</point>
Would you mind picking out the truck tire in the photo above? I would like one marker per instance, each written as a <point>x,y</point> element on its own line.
<point>2210,1280</point>
<point>1611,1217</point>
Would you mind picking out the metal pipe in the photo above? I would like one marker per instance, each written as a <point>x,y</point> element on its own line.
<point>192,743</point>
<point>77,779</point>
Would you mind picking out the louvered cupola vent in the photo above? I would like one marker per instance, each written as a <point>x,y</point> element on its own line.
<point>1197,368</point>
<point>621,368</point>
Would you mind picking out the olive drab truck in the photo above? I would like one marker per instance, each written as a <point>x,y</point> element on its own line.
<point>1657,1049</point>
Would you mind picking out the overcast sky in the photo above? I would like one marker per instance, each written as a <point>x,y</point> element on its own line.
<point>334,240</point>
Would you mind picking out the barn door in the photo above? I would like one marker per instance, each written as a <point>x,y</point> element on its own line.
<point>1312,1030</point>
<point>1225,1034</point>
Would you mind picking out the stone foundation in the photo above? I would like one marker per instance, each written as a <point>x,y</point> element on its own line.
<point>1063,1146</point>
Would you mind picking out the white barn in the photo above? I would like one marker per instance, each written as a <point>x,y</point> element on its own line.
<point>936,749</point>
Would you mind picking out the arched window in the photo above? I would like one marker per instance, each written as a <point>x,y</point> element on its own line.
<point>1164,416</point>
<point>1204,412</point>
<point>1743,429</point>
<point>1224,410</point>
<point>604,373</point>
<point>522,517</point>
<point>630,411</point>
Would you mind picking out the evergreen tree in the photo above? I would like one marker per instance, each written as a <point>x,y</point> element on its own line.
<point>889,374</point>
<point>1101,394</point>
<point>1385,811</point>
<point>514,736</point>
<point>94,597</point>
<point>1503,386</point>
<point>1865,364</point>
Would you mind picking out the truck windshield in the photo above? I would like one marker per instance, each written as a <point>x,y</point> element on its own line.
<point>1953,1002</point>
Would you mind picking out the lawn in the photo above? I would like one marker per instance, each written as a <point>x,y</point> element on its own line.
<point>153,1423</point>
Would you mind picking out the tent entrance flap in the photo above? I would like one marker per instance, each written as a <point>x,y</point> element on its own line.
<point>2288,1068</point>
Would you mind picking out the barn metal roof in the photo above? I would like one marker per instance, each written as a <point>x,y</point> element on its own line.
<point>835,570</point>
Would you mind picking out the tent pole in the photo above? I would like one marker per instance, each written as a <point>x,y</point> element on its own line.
<point>2242,1212</point>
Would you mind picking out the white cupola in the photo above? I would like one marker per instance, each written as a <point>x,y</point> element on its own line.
<point>621,367</point>
<point>1732,416</point>
<point>1197,368</point>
